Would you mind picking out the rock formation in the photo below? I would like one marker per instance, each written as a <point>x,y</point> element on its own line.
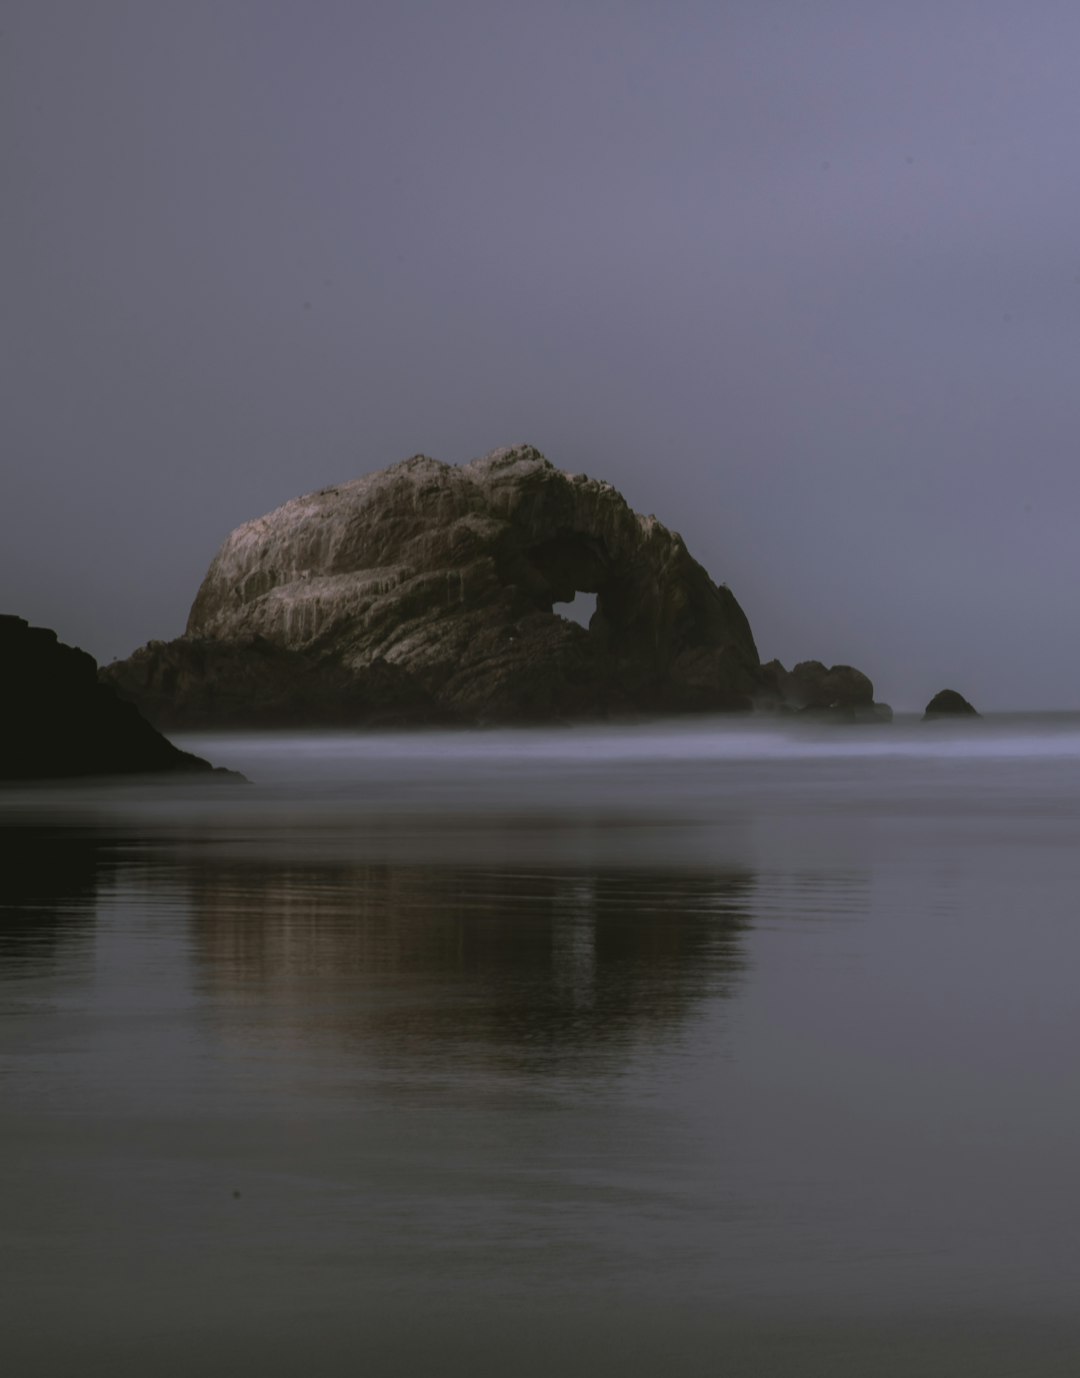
<point>838,692</point>
<point>57,719</point>
<point>949,704</point>
<point>429,593</point>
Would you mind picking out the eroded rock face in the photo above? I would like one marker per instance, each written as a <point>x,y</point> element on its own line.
<point>949,704</point>
<point>57,719</point>
<point>428,592</point>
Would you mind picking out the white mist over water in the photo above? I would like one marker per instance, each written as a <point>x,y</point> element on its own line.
<point>629,795</point>
<point>1048,735</point>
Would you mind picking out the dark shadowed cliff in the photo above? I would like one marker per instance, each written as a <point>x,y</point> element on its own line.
<point>57,719</point>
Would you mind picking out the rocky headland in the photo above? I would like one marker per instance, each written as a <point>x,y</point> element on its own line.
<point>429,593</point>
<point>58,720</point>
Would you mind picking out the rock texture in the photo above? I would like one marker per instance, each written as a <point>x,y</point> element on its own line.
<point>57,719</point>
<point>430,593</point>
<point>949,704</point>
<point>838,692</point>
<point>253,683</point>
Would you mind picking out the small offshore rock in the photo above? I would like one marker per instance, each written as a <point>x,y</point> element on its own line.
<point>816,692</point>
<point>949,704</point>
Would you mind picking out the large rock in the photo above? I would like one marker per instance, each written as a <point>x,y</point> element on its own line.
<point>57,719</point>
<point>949,704</point>
<point>428,592</point>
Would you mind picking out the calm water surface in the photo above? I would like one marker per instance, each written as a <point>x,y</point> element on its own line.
<point>691,1049</point>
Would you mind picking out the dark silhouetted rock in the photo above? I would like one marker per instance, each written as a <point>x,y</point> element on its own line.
<point>949,704</point>
<point>57,719</point>
<point>839,693</point>
<point>428,592</point>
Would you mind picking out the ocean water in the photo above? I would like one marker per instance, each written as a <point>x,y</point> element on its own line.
<point>698,1048</point>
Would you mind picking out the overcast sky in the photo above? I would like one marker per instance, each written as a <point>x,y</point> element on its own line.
<point>801,277</point>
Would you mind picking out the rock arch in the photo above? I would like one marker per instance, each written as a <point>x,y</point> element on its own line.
<point>431,590</point>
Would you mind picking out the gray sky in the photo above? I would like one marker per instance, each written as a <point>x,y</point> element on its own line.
<point>801,278</point>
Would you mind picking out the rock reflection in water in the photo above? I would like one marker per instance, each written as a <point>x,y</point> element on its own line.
<point>49,880</point>
<point>517,968</point>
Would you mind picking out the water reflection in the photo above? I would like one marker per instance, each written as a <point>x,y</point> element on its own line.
<point>49,881</point>
<point>521,968</point>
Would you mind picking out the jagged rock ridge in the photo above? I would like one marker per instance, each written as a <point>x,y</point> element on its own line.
<point>429,592</point>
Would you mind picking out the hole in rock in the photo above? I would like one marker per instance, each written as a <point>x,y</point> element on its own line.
<point>579,609</point>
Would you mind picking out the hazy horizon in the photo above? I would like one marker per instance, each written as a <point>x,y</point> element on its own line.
<point>802,281</point>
